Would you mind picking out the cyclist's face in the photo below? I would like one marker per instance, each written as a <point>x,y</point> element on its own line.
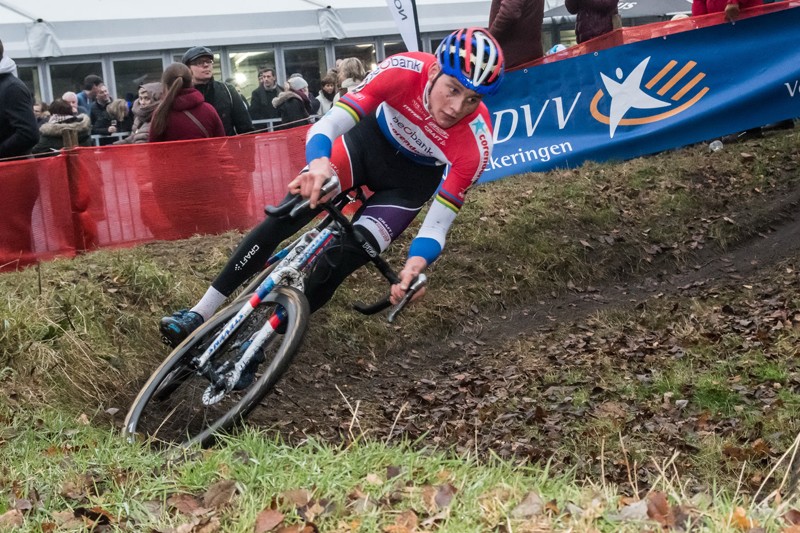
<point>449,100</point>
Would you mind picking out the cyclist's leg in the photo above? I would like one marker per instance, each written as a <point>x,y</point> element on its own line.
<point>249,257</point>
<point>256,248</point>
<point>400,189</point>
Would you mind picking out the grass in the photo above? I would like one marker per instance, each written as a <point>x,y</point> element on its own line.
<point>367,486</point>
<point>77,336</point>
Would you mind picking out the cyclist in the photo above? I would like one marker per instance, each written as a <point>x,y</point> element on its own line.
<point>411,116</point>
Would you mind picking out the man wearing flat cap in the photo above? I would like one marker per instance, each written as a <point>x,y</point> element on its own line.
<point>225,99</point>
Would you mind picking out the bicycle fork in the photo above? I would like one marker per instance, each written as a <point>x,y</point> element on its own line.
<point>224,378</point>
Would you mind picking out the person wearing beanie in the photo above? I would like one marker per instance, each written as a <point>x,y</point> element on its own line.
<point>294,104</point>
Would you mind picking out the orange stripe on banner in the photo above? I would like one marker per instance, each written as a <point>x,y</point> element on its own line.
<point>603,119</point>
<point>688,87</point>
<point>661,74</point>
<point>676,78</point>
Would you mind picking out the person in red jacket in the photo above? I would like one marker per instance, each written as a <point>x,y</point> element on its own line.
<point>187,196</point>
<point>730,7</point>
<point>594,17</point>
<point>183,113</point>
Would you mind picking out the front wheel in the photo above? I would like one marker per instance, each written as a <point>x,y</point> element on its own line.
<point>170,405</point>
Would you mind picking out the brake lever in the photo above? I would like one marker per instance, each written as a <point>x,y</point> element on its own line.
<point>416,284</point>
<point>328,187</point>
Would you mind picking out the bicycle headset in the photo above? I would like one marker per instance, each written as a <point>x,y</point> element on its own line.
<point>474,58</point>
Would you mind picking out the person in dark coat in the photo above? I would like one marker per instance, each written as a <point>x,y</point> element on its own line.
<point>225,99</point>
<point>594,17</point>
<point>294,104</point>
<point>19,131</point>
<point>18,134</point>
<point>261,100</point>
<point>62,119</point>
<point>517,26</point>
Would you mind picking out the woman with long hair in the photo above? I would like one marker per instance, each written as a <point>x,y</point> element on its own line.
<point>121,118</point>
<point>196,187</point>
<point>183,113</point>
<point>350,73</point>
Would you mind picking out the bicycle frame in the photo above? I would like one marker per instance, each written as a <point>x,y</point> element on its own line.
<point>294,260</point>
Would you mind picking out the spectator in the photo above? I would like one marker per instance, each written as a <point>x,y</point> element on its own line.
<point>91,87</point>
<point>41,112</point>
<point>517,26</point>
<point>208,194</point>
<point>18,129</point>
<point>183,113</point>
<point>225,99</point>
<point>72,98</point>
<point>351,72</point>
<point>101,120</point>
<point>121,117</point>
<point>294,104</point>
<point>149,96</point>
<point>261,100</point>
<point>594,17</point>
<point>62,119</point>
<point>327,93</point>
<point>18,134</point>
<point>730,7</point>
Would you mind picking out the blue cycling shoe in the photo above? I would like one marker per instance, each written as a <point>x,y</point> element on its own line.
<point>249,373</point>
<point>177,327</point>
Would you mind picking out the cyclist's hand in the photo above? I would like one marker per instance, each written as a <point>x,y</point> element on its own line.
<point>308,184</point>
<point>413,267</point>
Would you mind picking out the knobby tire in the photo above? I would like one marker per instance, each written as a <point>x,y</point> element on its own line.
<point>169,406</point>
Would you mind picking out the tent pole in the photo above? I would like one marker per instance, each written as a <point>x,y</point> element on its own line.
<point>19,11</point>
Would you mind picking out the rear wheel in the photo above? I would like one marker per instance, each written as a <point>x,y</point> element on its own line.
<point>170,405</point>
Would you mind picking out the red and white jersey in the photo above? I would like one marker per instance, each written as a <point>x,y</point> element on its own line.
<point>397,91</point>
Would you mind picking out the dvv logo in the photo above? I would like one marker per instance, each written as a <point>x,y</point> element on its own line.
<point>671,91</point>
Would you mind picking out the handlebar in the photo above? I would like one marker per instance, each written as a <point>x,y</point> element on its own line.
<point>297,203</point>
<point>294,205</point>
<point>416,284</point>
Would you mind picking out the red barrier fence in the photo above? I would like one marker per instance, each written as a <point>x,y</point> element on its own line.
<point>111,196</point>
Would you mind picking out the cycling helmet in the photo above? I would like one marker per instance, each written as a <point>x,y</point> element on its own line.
<point>474,58</point>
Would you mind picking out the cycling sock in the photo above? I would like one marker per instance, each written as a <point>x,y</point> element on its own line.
<point>209,303</point>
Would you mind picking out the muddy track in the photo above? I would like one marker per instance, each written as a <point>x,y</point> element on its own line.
<point>390,394</point>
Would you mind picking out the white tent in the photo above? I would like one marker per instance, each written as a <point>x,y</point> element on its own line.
<point>113,26</point>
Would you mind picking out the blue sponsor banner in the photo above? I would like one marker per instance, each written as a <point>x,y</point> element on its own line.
<point>648,96</point>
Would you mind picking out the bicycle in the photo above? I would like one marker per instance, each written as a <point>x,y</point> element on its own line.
<point>192,396</point>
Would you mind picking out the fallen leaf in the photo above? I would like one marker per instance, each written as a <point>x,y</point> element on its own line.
<point>531,505</point>
<point>444,495</point>
<point>374,479</point>
<point>632,512</point>
<point>12,518</point>
<point>186,504</point>
<point>792,517</point>
<point>299,497</point>
<point>219,494</point>
<point>267,520</point>
<point>739,520</point>
<point>405,522</point>
<point>658,509</point>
